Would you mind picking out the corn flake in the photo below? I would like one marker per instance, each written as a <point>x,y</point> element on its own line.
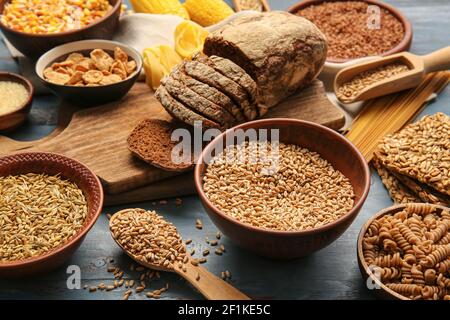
<point>100,68</point>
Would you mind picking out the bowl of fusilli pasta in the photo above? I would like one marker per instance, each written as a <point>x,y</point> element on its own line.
<point>404,252</point>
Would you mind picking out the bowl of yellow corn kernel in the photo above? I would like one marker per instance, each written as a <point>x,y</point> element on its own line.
<point>35,26</point>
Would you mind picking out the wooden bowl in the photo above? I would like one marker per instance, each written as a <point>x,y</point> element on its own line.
<point>12,120</point>
<point>89,96</point>
<point>52,164</point>
<point>404,45</point>
<point>34,45</point>
<point>383,292</point>
<point>340,152</point>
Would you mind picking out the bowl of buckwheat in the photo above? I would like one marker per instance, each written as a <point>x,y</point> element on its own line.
<point>282,188</point>
<point>34,27</point>
<point>99,71</point>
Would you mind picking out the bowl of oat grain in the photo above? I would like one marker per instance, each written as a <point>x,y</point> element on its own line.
<point>48,203</point>
<point>282,200</point>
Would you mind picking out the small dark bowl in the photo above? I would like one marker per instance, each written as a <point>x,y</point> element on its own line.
<point>12,120</point>
<point>33,45</point>
<point>383,292</point>
<point>88,96</point>
<point>86,180</point>
<point>340,152</point>
<point>403,45</point>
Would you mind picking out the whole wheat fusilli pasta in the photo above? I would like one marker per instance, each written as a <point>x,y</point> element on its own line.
<point>410,251</point>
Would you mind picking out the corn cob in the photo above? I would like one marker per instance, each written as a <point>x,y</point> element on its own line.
<point>160,7</point>
<point>208,12</point>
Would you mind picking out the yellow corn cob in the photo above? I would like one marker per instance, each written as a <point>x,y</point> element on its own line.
<point>159,62</point>
<point>208,12</point>
<point>160,7</point>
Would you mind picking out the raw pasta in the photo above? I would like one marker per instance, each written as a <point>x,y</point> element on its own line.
<point>410,251</point>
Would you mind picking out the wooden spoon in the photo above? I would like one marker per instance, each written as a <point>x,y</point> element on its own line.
<point>419,66</point>
<point>210,286</point>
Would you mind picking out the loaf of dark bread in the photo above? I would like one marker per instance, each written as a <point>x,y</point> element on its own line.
<point>280,51</point>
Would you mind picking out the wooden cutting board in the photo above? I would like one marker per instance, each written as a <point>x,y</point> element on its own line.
<point>97,137</point>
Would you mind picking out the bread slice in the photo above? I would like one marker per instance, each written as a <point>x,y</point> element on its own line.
<point>208,75</point>
<point>181,112</point>
<point>209,92</point>
<point>231,70</point>
<point>151,141</point>
<point>197,103</point>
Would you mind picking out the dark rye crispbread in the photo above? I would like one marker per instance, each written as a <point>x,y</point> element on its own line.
<point>182,113</point>
<point>398,192</point>
<point>420,151</point>
<point>208,92</point>
<point>198,103</point>
<point>151,141</point>
<point>208,75</point>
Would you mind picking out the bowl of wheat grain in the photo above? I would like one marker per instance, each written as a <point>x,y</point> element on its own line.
<point>282,188</point>
<point>48,203</point>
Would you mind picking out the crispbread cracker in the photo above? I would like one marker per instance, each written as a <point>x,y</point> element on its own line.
<point>420,151</point>
<point>398,192</point>
<point>425,193</point>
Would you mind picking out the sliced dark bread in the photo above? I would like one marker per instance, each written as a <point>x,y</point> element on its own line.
<point>209,92</point>
<point>197,103</point>
<point>208,75</point>
<point>238,75</point>
<point>151,141</point>
<point>231,70</point>
<point>181,112</point>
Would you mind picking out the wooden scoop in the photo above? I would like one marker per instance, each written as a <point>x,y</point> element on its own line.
<point>419,66</point>
<point>210,286</point>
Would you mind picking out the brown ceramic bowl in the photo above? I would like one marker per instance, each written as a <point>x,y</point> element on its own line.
<point>34,45</point>
<point>340,152</point>
<point>404,45</point>
<point>89,96</point>
<point>383,292</point>
<point>12,120</point>
<point>52,164</point>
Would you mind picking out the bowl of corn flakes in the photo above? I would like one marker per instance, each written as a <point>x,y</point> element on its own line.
<point>90,72</point>
<point>34,27</point>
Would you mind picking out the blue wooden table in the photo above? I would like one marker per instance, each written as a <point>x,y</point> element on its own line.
<point>331,273</point>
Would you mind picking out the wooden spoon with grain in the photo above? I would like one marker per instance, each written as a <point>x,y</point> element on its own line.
<point>418,67</point>
<point>210,286</point>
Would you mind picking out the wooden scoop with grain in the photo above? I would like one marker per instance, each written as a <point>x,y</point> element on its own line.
<point>387,75</point>
<point>155,243</point>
